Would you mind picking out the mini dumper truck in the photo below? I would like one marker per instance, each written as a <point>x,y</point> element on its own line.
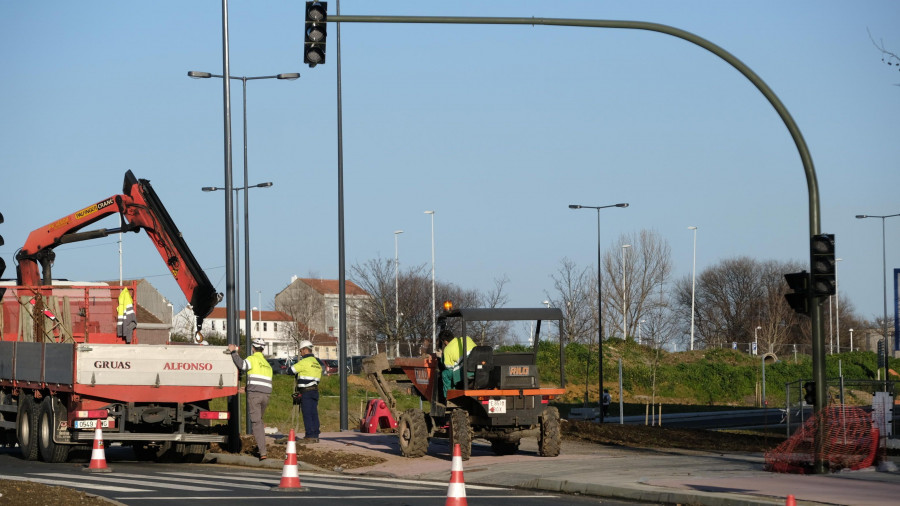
<point>499,397</point>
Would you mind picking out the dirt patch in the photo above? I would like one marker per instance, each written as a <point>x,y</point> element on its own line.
<point>643,436</point>
<point>26,492</point>
<point>308,453</point>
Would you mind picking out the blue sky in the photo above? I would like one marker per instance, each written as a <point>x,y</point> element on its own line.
<point>496,128</point>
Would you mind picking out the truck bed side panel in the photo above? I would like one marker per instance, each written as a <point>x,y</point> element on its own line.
<point>28,362</point>
<point>60,363</point>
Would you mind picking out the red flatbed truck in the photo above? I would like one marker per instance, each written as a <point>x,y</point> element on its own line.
<point>65,368</point>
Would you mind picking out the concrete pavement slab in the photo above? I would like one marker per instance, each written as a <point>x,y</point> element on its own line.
<point>646,475</point>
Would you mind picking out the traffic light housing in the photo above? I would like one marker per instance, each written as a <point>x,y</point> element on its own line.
<point>799,298</point>
<point>823,266</point>
<point>314,36</point>
<point>809,392</point>
<point>881,362</point>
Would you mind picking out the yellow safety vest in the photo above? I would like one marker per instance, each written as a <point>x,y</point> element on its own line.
<point>259,373</point>
<point>308,371</point>
<point>453,352</point>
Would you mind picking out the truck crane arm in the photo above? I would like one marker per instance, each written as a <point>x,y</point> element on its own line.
<point>139,208</point>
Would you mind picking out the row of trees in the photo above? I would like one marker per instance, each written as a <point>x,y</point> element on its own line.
<point>403,318</point>
<point>737,300</point>
<point>641,300</point>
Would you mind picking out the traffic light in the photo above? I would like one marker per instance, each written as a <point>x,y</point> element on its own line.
<point>314,38</point>
<point>823,265</point>
<point>881,353</point>
<point>799,298</point>
<point>809,392</point>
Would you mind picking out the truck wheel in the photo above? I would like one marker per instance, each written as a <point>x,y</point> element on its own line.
<point>548,441</point>
<point>504,447</point>
<point>413,433</point>
<point>461,433</point>
<point>7,436</point>
<point>51,411</point>
<point>26,426</point>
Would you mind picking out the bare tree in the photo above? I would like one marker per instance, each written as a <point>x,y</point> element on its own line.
<point>493,333</point>
<point>305,308</point>
<point>632,278</point>
<point>414,298</point>
<point>736,296</point>
<point>574,297</point>
<point>887,57</point>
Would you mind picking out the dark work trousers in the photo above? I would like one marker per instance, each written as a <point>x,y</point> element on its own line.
<point>309,406</point>
<point>258,402</point>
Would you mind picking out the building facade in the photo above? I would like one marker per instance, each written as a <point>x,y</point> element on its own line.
<point>315,304</point>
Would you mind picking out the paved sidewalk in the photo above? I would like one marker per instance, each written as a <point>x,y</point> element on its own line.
<point>667,476</point>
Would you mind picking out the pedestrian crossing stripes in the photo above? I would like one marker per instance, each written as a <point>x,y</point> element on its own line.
<point>234,482</point>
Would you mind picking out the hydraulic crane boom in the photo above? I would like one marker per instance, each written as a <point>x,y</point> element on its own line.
<point>139,208</point>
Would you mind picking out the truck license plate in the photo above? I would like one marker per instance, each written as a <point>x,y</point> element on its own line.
<point>497,406</point>
<point>92,424</point>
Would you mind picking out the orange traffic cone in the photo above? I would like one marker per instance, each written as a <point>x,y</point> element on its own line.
<point>456,492</point>
<point>790,501</point>
<point>98,454</point>
<point>290,480</point>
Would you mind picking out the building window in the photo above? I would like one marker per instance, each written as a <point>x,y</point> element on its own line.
<point>265,324</point>
<point>257,327</point>
<point>275,327</point>
<point>214,325</point>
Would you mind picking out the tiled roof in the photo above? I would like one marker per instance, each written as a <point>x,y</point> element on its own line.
<point>331,286</point>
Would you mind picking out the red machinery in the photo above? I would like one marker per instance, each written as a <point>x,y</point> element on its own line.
<point>65,369</point>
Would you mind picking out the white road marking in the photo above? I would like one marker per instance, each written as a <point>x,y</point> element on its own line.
<point>115,479</point>
<point>76,484</point>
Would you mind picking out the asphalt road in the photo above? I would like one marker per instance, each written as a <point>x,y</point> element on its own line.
<point>157,484</point>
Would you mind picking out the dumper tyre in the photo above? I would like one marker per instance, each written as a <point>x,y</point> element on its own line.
<point>502,447</point>
<point>461,432</point>
<point>51,410</point>
<point>549,439</point>
<point>27,426</point>
<point>412,432</point>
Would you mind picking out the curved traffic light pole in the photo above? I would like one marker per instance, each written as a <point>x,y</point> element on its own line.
<point>815,310</point>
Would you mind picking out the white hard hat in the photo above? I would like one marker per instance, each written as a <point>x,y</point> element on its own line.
<point>259,343</point>
<point>306,344</point>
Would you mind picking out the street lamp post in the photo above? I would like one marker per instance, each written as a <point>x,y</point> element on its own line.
<point>397,286</point>
<point>289,76</point>
<point>851,339</point>
<point>887,345</point>
<point>599,294</point>
<point>624,293</point>
<point>206,75</point>
<point>756,340</point>
<point>433,302</point>
<point>693,283</point>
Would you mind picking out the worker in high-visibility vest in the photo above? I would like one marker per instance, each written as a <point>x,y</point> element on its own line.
<point>259,387</point>
<point>455,351</point>
<point>309,372</point>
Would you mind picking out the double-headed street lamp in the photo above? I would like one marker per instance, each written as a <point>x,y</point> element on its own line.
<point>887,345</point>
<point>233,313</point>
<point>289,76</point>
<point>599,293</point>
